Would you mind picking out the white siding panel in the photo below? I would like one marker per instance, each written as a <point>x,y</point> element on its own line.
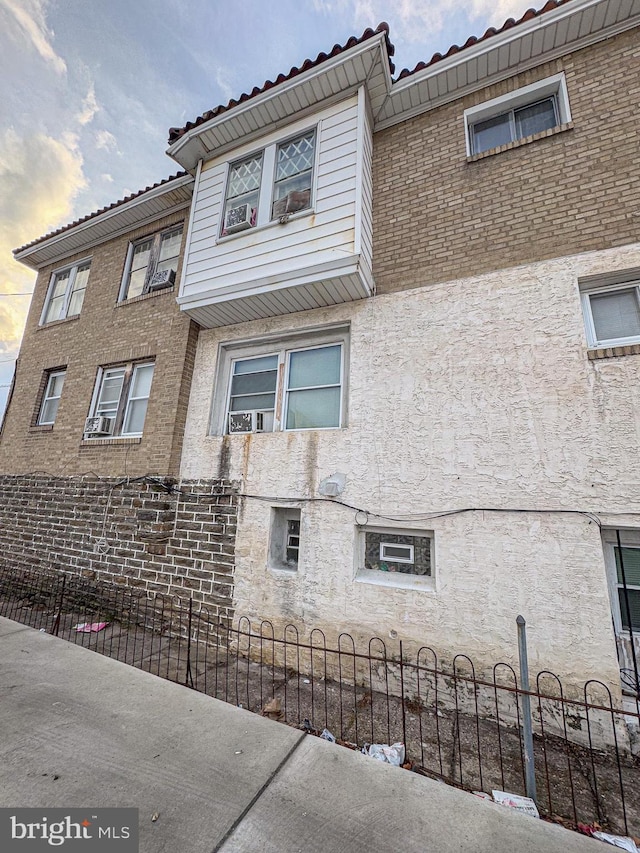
<point>264,254</point>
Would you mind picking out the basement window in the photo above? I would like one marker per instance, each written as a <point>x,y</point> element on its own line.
<point>284,547</point>
<point>395,557</point>
<point>612,314</point>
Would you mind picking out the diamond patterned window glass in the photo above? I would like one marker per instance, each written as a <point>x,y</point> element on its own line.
<point>245,177</point>
<point>294,175</point>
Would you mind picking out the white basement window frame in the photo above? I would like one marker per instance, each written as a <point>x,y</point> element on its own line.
<point>66,291</point>
<point>287,383</point>
<point>147,258</point>
<point>532,109</point>
<point>612,314</point>
<point>271,184</point>
<point>120,399</point>
<point>51,398</point>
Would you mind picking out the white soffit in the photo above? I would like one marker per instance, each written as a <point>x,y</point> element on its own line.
<point>560,31</point>
<point>122,218</point>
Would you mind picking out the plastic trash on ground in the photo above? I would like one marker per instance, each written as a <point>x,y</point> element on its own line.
<point>326,735</point>
<point>621,841</point>
<point>391,754</point>
<point>89,627</point>
<point>521,804</point>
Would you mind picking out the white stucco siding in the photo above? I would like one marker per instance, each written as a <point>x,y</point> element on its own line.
<point>471,393</point>
<point>323,235</point>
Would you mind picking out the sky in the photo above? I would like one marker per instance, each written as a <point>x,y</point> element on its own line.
<point>89,89</point>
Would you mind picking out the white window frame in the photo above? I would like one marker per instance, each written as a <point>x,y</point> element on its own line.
<point>267,179</point>
<point>73,272</point>
<point>281,345</point>
<point>153,261</point>
<point>555,86</point>
<point>587,293</point>
<point>125,397</point>
<point>628,539</point>
<point>400,580</point>
<point>281,516</point>
<point>47,396</point>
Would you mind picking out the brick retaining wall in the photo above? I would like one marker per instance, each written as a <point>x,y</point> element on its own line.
<point>142,534</point>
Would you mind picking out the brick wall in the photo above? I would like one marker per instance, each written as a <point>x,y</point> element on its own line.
<point>105,332</point>
<point>178,542</point>
<point>438,216</point>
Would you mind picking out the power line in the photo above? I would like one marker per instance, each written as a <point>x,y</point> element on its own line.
<point>17,294</point>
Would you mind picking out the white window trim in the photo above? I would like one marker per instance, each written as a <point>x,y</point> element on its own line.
<point>628,539</point>
<point>73,271</point>
<point>398,580</point>
<point>155,253</point>
<point>280,344</point>
<point>123,406</point>
<point>550,86</point>
<point>267,180</point>
<point>46,397</point>
<point>585,296</point>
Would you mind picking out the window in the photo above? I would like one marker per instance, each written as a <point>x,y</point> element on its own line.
<point>393,551</point>
<point>612,314</point>
<point>66,293</point>
<point>288,167</point>
<point>285,385</point>
<point>625,587</point>
<point>152,263</point>
<point>51,397</point>
<point>284,548</point>
<point>120,400</point>
<point>525,112</point>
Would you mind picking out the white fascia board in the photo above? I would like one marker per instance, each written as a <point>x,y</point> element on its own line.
<point>494,43</point>
<point>83,227</point>
<point>342,58</point>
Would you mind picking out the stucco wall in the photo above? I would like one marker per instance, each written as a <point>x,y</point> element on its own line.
<point>472,393</point>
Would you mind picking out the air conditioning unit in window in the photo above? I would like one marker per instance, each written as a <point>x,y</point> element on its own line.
<point>162,279</point>
<point>98,426</point>
<point>250,422</point>
<point>238,218</point>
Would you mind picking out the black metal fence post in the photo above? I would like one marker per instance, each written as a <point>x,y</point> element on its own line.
<point>527,722</point>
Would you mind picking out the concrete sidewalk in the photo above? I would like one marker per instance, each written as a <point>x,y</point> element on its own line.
<point>81,730</point>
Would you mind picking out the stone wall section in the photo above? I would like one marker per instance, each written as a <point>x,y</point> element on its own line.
<point>156,536</point>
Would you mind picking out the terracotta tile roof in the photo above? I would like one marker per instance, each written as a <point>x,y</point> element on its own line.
<point>492,31</point>
<point>176,132</point>
<point>99,212</point>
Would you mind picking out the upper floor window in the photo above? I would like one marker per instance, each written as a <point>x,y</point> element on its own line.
<point>532,109</point>
<point>51,397</point>
<point>286,169</point>
<point>612,314</point>
<point>120,400</point>
<point>66,293</point>
<point>152,263</point>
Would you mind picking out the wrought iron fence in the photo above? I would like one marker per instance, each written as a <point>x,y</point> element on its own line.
<point>455,725</point>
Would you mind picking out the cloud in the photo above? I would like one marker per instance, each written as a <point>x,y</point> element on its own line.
<point>39,179</point>
<point>107,177</point>
<point>29,18</point>
<point>89,107</point>
<point>106,140</point>
<point>411,19</point>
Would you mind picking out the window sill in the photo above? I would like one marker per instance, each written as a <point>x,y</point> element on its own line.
<point>397,580</point>
<point>613,352</point>
<point>52,323</point>
<point>41,428</point>
<point>101,442</point>
<point>271,224</point>
<point>518,143</point>
<point>144,296</point>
